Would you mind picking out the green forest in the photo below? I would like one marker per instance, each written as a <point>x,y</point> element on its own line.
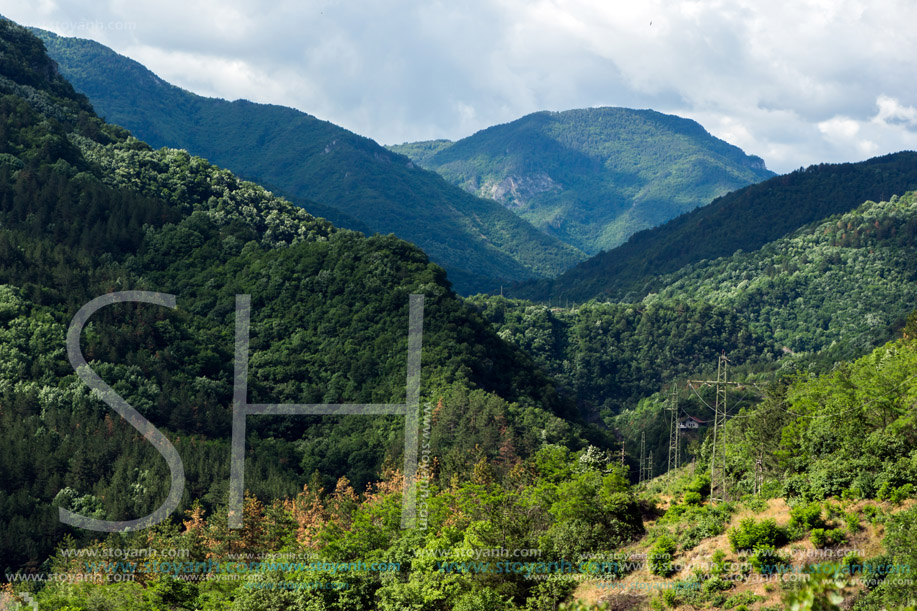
<point>745,219</point>
<point>593,177</point>
<point>329,170</point>
<point>546,476</point>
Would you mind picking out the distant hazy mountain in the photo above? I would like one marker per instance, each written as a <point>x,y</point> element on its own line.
<point>743,220</point>
<point>357,183</point>
<point>593,177</point>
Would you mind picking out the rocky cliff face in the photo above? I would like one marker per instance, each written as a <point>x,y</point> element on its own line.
<point>515,192</point>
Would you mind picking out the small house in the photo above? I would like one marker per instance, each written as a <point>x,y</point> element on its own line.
<point>691,423</point>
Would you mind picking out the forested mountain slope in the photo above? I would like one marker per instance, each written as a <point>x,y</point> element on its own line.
<point>86,209</point>
<point>746,219</point>
<point>351,177</point>
<point>592,177</point>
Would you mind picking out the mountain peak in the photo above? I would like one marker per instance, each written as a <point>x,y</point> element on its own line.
<point>591,177</point>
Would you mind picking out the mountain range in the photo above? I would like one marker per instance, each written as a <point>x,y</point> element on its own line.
<point>543,427</point>
<point>86,210</point>
<point>331,171</point>
<point>593,177</point>
<point>575,182</point>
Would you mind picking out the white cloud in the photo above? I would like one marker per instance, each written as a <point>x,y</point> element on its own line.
<point>839,128</point>
<point>893,112</point>
<point>794,81</point>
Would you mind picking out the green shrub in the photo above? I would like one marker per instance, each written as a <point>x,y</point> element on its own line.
<point>822,537</point>
<point>697,522</point>
<point>899,494</point>
<point>718,564</point>
<point>853,522</point>
<point>660,556</point>
<point>484,599</point>
<point>767,561</point>
<point>751,534</point>
<point>852,563</point>
<point>693,498</point>
<point>741,601</point>
<point>795,532</point>
<point>874,514</point>
<point>822,592</point>
<point>755,503</point>
<point>717,584</point>
<point>670,598</point>
<point>700,485</point>
<point>807,516</point>
<point>818,537</point>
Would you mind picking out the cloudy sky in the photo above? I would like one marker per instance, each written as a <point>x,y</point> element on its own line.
<point>796,82</point>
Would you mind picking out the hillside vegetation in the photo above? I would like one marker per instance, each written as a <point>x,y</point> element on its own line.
<point>356,183</point>
<point>746,220</point>
<point>593,177</point>
<point>525,499</point>
<point>85,210</point>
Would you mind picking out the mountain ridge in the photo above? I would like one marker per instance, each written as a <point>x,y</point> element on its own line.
<point>311,160</point>
<point>592,177</point>
<point>745,219</point>
<point>87,210</point>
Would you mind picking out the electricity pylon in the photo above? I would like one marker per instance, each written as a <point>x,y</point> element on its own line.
<point>674,442</point>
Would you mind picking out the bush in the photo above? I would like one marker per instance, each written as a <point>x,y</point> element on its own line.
<point>484,599</point>
<point>751,534</point>
<point>852,563</point>
<point>883,492</point>
<point>899,494</point>
<point>807,516</point>
<point>821,591</point>
<point>795,532</point>
<point>697,522</point>
<point>756,504</point>
<point>873,513</point>
<point>832,510</point>
<point>700,485</point>
<point>670,598</point>
<point>741,601</point>
<point>853,522</point>
<point>821,537</point>
<point>767,561</point>
<point>693,498</point>
<point>717,563</point>
<point>660,556</point>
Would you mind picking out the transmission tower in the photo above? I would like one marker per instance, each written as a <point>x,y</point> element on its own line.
<point>674,452</point>
<point>718,491</point>
<point>718,467</point>
<point>642,456</point>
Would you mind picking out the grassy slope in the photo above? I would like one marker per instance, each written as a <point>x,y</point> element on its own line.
<point>635,589</point>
